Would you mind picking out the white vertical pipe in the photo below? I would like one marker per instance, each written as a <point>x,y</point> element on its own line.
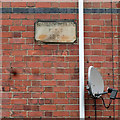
<point>81,61</point>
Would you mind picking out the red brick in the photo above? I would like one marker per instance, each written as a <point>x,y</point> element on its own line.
<point>48,89</point>
<point>46,64</point>
<point>74,89</point>
<point>4,40</point>
<point>72,107</point>
<point>48,77</point>
<point>87,28</point>
<point>106,5</point>
<point>35,71</point>
<point>26,46</point>
<point>7,22</point>
<point>18,113</point>
<point>5,64</point>
<point>67,4</point>
<point>20,77</point>
<point>96,4</point>
<point>5,101</point>
<point>18,16</point>
<point>73,101</point>
<point>48,101</point>
<point>106,28</point>
<point>16,40</point>
<point>72,95</point>
<point>26,83</point>
<point>35,52</point>
<point>34,64</point>
<point>5,28</point>
<point>48,83</point>
<point>96,22</point>
<point>61,77</point>
<point>17,34</point>
<point>30,28</point>
<point>61,89</point>
<point>48,70</point>
<point>67,16</point>
<point>96,16</point>
<point>27,22</point>
<point>71,83</point>
<point>61,95</point>
<point>42,16</point>
<point>36,77</point>
<point>7,95</point>
<point>17,28</point>
<point>32,101</point>
<point>18,58</point>
<point>48,95</point>
<point>5,4</point>
<point>96,52</point>
<point>60,107</point>
<point>7,34</point>
<point>43,4</point>
<point>96,28</point>
<point>6,47</point>
<point>48,114</point>
<point>71,58</point>
<point>19,52</point>
<point>30,4</point>
<point>35,58</point>
<point>35,114</point>
<point>55,4</point>
<point>8,58</point>
<point>48,107</point>
<point>5,16</point>
<point>28,34</point>
<point>74,114</point>
<point>30,16</point>
<point>60,113</point>
<point>16,22</point>
<point>18,89</point>
<point>97,58</point>
<point>6,107</point>
<point>36,95</point>
<point>35,89</point>
<point>87,16</point>
<point>5,113</point>
<point>60,101</point>
<point>18,101</point>
<point>107,41</point>
<point>87,4</point>
<point>18,95</point>
<point>18,4</point>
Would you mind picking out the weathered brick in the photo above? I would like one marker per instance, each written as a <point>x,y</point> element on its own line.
<point>17,28</point>
<point>61,113</point>
<point>43,4</point>
<point>18,101</point>
<point>18,4</point>
<point>35,114</point>
<point>48,107</point>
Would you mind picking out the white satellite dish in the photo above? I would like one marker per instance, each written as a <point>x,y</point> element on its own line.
<point>95,82</point>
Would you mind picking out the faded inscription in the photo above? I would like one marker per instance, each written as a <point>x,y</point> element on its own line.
<point>55,31</point>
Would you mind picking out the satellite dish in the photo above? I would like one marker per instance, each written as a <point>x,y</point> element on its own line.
<point>95,82</point>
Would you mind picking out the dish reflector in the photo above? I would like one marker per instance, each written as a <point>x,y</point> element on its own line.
<point>95,81</point>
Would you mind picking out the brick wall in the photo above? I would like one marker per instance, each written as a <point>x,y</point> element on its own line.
<point>101,51</point>
<point>41,80</point>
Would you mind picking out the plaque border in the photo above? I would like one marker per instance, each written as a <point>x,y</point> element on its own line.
<point>55,20</point>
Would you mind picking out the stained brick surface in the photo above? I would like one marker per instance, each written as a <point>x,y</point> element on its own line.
<point>42,80</point>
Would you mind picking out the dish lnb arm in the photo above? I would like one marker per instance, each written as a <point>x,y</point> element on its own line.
<point>113,93</point>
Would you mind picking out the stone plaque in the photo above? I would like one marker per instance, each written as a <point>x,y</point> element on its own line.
<point>55,31</point>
